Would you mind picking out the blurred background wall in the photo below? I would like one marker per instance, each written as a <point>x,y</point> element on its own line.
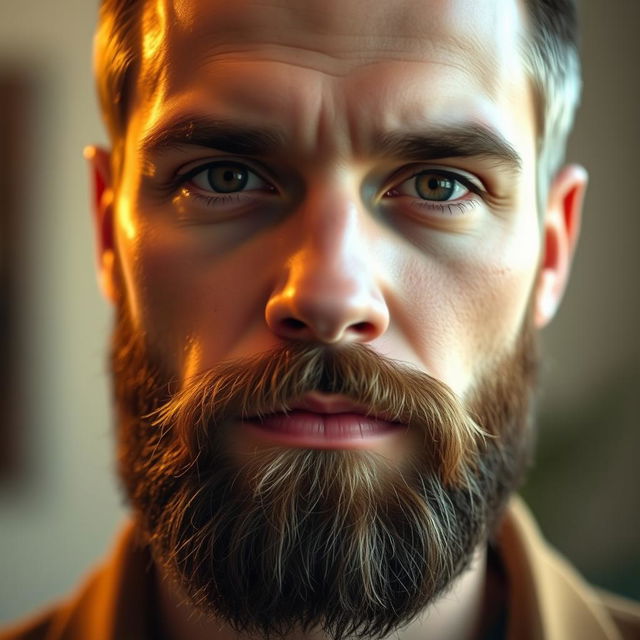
<point>59,505</point>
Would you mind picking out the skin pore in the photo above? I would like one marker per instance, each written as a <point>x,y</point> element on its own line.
<point>323,126</point>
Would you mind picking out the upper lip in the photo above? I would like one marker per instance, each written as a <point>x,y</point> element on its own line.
<point>316,402</point>
<point>322,403</point>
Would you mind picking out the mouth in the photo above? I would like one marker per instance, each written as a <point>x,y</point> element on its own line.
<point>321,421</point>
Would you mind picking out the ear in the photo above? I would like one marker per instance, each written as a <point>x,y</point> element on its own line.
<point>100,167</point>
<point>561,228</point>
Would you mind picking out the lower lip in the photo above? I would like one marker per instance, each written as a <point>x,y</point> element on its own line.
<point>323,430</point>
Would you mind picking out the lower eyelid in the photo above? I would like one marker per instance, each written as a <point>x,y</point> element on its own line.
<point>188,192</point>
<point>213,199</point>
<point>424,210</point>
<point>460,205</point>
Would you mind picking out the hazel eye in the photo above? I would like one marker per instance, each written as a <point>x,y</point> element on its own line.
<point>434,186</point>
<point>227,177</point>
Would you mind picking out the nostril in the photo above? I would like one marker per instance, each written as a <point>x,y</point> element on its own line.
<point>292,324</point>
<point>362,328</point>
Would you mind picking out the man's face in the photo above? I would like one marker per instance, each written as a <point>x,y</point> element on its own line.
<point>309,179</point>
<point>326,234</point>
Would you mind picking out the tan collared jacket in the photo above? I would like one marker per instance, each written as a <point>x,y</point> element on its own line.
<point>547,599</point>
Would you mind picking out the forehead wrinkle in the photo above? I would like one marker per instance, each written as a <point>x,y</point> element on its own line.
<point>470,54</point>
<point>332,40</point>
<point>335,65</point>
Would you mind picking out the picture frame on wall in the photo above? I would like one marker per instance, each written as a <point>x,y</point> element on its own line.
<point>13,133</point>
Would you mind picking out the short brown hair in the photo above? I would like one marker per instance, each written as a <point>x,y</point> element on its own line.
<point>550,56</point>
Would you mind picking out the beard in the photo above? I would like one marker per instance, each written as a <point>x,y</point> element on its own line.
<point>286,538</point>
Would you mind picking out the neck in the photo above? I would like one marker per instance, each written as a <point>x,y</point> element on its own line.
<point>465,612</point>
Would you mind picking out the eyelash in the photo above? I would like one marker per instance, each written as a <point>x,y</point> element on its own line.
<point>450,207</point>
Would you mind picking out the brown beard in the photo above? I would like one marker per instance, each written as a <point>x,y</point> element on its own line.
<point>298,538</point>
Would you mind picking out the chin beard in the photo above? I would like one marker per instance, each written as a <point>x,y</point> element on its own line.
<point>288,539</point>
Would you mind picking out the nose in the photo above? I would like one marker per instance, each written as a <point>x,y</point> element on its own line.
<point>329,291</point>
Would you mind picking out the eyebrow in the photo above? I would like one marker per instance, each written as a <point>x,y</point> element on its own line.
<point>456,141</point>
<point>222,135</point>
<point>439,142</point>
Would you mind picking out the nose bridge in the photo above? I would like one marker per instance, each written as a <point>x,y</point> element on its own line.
<point>332,243</point>
<point>329,291</point>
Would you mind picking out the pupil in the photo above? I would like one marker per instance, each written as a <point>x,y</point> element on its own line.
<point>226,179</point>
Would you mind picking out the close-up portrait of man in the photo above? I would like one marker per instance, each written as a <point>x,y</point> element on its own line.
<point>330,233</point>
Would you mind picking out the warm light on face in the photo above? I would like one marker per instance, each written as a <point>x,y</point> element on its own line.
<point>126,215</point>
<point>154,22</point>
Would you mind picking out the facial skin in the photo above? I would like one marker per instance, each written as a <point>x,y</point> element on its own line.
<point>331,241</point>
<point>211,282</point>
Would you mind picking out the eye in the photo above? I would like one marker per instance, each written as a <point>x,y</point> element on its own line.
<point>434,186</point>
<point>226,177</point>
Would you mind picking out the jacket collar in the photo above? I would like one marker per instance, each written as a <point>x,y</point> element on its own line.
<point>547,599</point>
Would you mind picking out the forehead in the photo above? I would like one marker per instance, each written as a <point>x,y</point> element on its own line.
<point>352,59</point>
<point>358,29</point>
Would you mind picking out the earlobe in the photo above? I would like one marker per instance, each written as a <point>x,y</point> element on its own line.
<point>103,217</point>
<point>561,228</point>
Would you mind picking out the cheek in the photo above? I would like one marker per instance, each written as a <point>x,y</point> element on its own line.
<point>494,298</point>
<point>193,291</point>
<point>464,305</point>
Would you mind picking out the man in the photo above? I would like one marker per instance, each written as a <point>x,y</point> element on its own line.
<point>331,232</point>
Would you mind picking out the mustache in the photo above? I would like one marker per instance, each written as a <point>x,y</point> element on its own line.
<point>270,382</point>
